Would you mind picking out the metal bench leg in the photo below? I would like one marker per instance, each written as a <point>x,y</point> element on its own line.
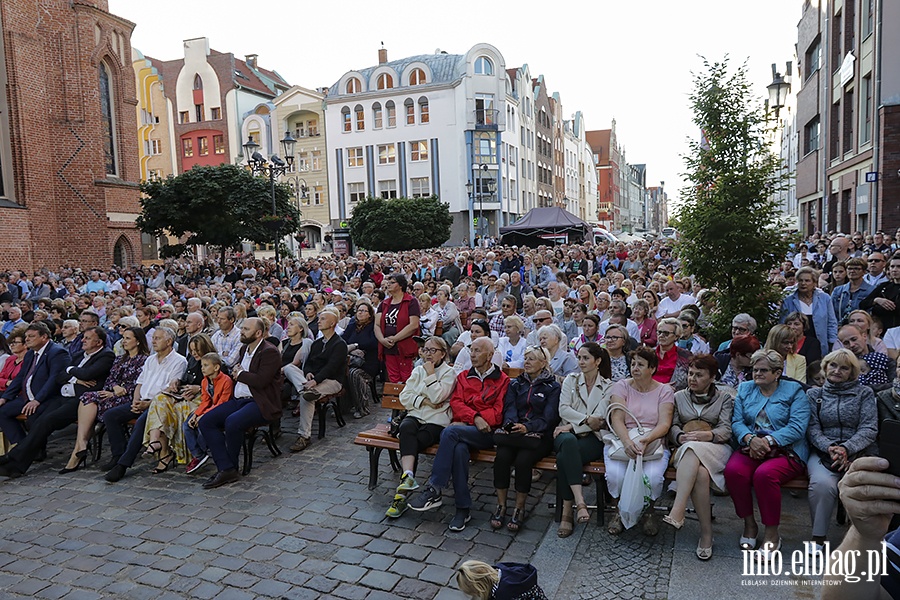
<point>323,412</point>
<point>557,515</point>
<point>600,481</point>
<point>395,460</point>
<point>270,442</point>
<point>374,454</point>
<point>249,442</point>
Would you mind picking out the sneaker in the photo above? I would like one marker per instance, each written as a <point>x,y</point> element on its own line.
<point>426,500</point>
<point>301,444</point>
<point>312,395</point>
<point>407,484</point>
<point>196,463</point>
<point>459,520</point>
<point>398,506</point>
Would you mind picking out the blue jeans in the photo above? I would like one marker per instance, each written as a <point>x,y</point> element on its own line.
<point>223,429</point>
<point>194,440</point>
<point>116,419</point>
<point>452,460</point>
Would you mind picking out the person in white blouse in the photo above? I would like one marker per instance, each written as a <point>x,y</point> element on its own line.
<point>463,362</point>
<point>512,345</point>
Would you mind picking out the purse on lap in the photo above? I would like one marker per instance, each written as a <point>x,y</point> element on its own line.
<point>653,451</point>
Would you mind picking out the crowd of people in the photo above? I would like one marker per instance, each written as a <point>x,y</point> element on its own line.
<point>608,347</point>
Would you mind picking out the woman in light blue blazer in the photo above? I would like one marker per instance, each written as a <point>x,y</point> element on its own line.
<point>807,296</point>
<point>769,423</point>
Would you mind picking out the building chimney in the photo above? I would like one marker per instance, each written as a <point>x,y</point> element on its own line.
<point>250,59</point>
<point>382,55</point>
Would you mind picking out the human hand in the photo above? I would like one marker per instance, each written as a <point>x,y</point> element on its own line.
<point>561,429</point>
<point>118,390</point>
<point>481,425</point>
<point>192,422</point>
<point>105,394</point>
<point>518,428</point>
<point>428,366</point>
<point>759,447</point>
<point>596,423</point>
<point>870,496</point>
<point>309,384</point>
<point>633,449</point>
<point>30,407</point>
<point>190,391</point>
<point>90,383</point>
<point>885,303</point>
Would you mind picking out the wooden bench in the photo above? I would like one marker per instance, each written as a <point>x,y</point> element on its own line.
<point>378,439</point>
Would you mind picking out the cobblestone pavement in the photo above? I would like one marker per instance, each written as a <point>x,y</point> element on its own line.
<point>299,526</point>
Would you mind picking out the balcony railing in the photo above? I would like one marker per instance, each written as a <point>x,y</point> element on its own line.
<point>486,118</point>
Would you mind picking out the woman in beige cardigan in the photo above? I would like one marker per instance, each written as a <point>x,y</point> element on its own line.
<point>701,430</point>
<point>783,340</point>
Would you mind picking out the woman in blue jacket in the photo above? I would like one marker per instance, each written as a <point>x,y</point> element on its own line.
<point>816,305</point>
<point>530,413</point>
<point>769,422</point>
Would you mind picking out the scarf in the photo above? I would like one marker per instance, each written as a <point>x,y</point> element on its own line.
<point>840,388</point>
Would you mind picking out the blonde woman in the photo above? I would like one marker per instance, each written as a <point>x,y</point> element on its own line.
<point>863,321</point>
<point>783,340</point>
<point>506,581</point>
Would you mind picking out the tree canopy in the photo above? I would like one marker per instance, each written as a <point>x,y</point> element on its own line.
<point>217,206</point>
<point>400,224</point>
<point>729,217</point>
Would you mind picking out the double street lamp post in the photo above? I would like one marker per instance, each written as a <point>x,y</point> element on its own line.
<point>488,185</point>
<point>275,167</point>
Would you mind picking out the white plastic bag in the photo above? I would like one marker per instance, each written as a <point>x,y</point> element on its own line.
<point>635,496</point>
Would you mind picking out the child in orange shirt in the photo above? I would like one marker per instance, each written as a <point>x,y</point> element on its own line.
<point>216,388</point>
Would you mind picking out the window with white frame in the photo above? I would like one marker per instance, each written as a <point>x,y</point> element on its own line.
<point>419,187</point>
<point>391,111</point>
<point>484,66</point>
<point>316,164</point>
<point>377,116</point>
<point>355,157</point>
<point>424,116</point>
<point>346,121</point>
<point>312,127</point>
<point>353,86</point>
<point>387,154</point>
<point>303,160</point>
<point>385,81</point>
<point>410,108</point>
<point>356,192</point>
<point>485,148</point>
<point>318,191</point>
<point>360,117</point>
<point>417,77</point>
<point>387,188</point>
<point>418,151</point>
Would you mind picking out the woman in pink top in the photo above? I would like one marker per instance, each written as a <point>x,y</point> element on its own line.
<point>653,404</point>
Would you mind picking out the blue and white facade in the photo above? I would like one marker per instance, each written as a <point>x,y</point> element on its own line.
<point>422,125</point>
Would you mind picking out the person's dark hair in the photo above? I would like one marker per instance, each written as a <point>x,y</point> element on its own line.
<point>594,318</point>
<point>4,346</point>
<point>598,351</point>
<point>400,278</point>
<point>40,327</point>
<point>483,325</point>
<point>582,307</point>
<point>706,362</point>
<point>229,313</point>
<point>812,370</point>
<point>647,354</point>
<point>141,338</point>
<point>744,344</point>
<point>101,333</point>
<point>798,316</point>
<point>479,311</point>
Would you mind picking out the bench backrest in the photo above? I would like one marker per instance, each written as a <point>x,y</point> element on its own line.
<point>513,373</point>
<point>390,397</point>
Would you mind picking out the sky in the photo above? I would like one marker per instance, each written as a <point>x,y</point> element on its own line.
<point>626,60</point>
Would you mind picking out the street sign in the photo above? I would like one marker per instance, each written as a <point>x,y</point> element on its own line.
<point>872,177</point>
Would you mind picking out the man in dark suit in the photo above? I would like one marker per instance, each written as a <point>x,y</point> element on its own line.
<point>193,325</point>
<point>257,401</point>
<point>35,384</point>
<point>452,271</point>
<point>87,374</point>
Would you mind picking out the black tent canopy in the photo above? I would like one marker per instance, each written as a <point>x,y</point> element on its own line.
<point>546,226</point>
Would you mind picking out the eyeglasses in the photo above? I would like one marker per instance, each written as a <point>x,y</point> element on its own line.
<point>427,350</point>
<point>738,328</point>
<point>875,260</point>
<point>660,333</point>
<point>541,320</point>
<point>614,337</point>
<point>763,370</point>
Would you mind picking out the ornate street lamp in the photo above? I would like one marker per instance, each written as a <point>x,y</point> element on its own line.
<point>275,167</point>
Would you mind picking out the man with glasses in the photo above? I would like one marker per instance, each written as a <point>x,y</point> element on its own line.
<point>741,324</point>
<point>87,320</point>
<point>876,272</point>
<point>540,319</point>
<point>847,297</point>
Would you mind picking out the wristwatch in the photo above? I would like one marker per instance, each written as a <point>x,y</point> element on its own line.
<point>771,440</point>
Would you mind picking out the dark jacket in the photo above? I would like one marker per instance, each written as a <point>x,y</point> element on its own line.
<point>367,342</point>
<point>264,378</point>
<point>97,369</point>
<point>518,581</point>
<point>327,360</point>
<point>45,379</point>
<point>534,403</point>
<point>508,265</point>
<point>452,273</point>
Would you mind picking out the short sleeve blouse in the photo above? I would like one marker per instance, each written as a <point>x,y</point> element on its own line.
<point>644,405</point>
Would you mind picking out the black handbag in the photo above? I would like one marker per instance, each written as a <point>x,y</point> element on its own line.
<point>394,429</point>
<point>523,441</point>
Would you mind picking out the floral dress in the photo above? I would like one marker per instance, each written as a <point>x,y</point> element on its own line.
<point>619,367</point>
<point>124,372</point>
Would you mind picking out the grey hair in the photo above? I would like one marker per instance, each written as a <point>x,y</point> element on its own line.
<point>168,331</point>
<point>744,318</point>
<point>555,330</point>
<point>129,321</point>
<point>772,359</point>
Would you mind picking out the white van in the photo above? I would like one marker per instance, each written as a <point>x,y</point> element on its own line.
<point>602,236</point>
<point>670,233</point>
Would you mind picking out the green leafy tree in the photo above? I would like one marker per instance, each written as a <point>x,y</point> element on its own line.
<point>729,217</point>
<point>216,206</point>
<point>400,224</point>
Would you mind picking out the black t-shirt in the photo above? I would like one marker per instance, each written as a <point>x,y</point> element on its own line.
<point>390,320</point>
<point>289,353</point>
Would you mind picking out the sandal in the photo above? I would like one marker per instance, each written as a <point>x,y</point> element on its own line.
<point>517,520</point>
<point>153,447</point>
<point>166,462</point>
<point>584,515</point>
<point>498,517</point>
<point>676,524</point>
<point>615,526</point>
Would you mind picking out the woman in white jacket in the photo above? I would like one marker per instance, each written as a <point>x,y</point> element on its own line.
<point>579,438</point>
<point>426,398</point>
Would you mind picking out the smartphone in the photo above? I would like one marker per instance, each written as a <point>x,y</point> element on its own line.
<point>889,444</point>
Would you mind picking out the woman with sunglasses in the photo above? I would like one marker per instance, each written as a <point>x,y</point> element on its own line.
<point>673,360</point>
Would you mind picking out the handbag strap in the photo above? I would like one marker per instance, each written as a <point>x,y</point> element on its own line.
<point>613,406</point>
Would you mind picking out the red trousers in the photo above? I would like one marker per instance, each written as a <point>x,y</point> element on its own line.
<point>399,368</point>
<point>744,475</point>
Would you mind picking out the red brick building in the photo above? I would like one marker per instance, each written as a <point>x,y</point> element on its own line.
<point>606,153</point>
<point>68,153</point>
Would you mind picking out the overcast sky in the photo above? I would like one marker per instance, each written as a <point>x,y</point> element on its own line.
<point>629,60</point>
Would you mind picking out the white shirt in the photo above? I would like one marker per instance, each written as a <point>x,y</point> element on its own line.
<point>873,280</point>
<point>68,390</point>
<point>667,306</point>
<point>514,356</point>
<point>631,327</point>
<point>242,390</point>
<point>37,358</point>
<point>156,375</point>
<point>465,338</point>
<point>463,361</point>
<point>892,338</point>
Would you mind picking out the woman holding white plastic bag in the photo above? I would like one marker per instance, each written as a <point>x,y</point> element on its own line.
<point>648,406</point>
